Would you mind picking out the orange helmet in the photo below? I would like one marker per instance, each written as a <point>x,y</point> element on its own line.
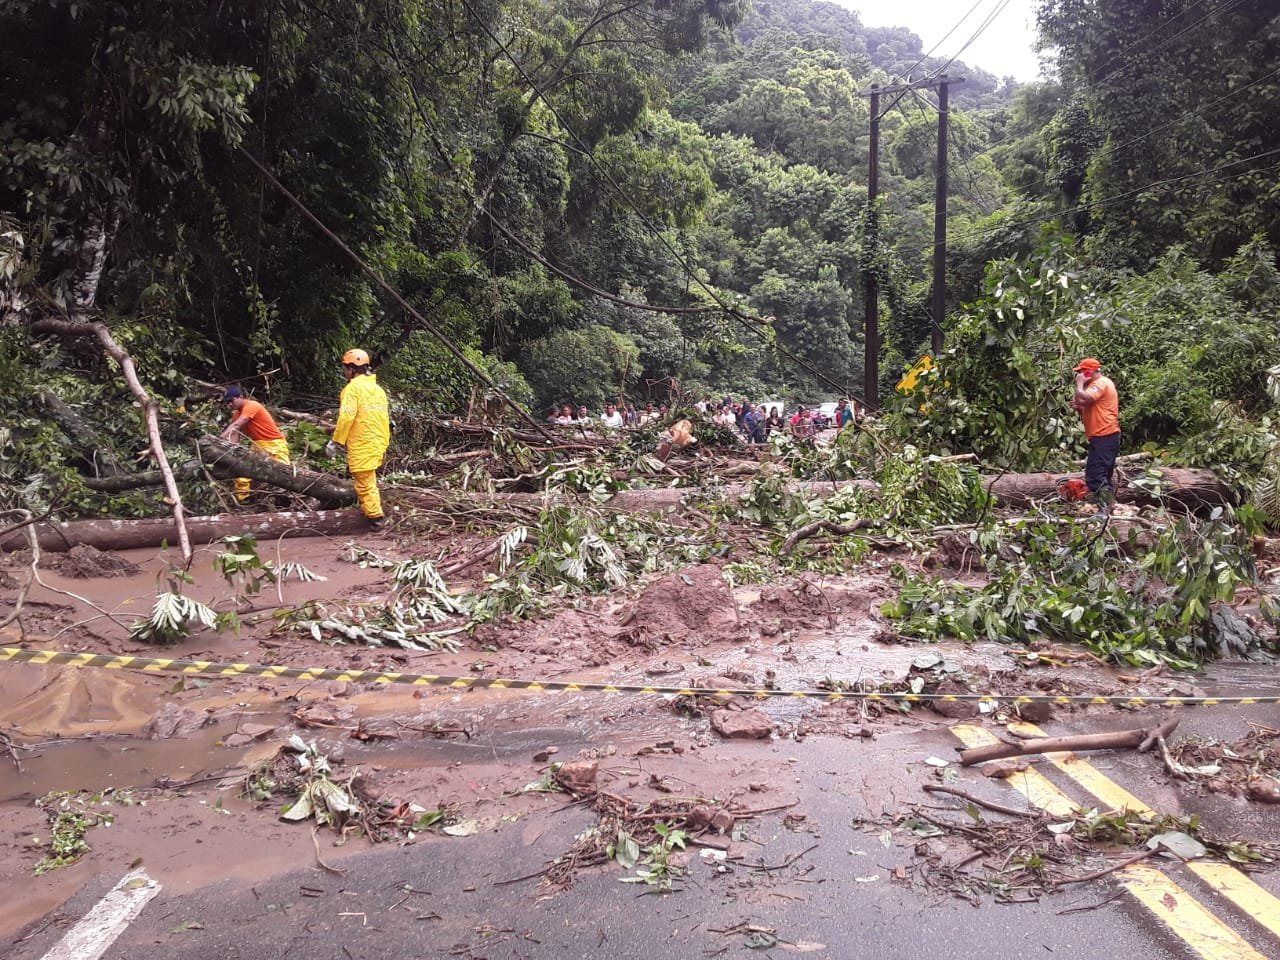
<point>356,358</point>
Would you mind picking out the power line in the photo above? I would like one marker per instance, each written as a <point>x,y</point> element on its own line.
<point>982,27</point>
<point>1107,201</point>
<point>1226,5</point>
<point>750,322</point>
<point>935,74</point>
<point>1143,39</point>
<point>1187,115</point>
<point>377,278</point>
<point>587,286</point>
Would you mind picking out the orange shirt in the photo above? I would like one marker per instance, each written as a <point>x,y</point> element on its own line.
<point>1102,417</point>
<point>261,425</point>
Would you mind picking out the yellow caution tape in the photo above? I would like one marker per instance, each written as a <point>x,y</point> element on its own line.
<point>214,668</point>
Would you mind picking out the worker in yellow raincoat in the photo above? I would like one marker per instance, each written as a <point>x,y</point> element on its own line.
<point>364,428</point>
<point>252,419</point>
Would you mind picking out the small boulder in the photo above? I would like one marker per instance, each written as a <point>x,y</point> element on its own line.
<point>578,776</point>
<point>1036,712</point>
<point>742,724</point>
<point>1004,769</point>
<point>954,709</point>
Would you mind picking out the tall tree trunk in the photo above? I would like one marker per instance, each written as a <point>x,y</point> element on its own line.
<point>97,237</point>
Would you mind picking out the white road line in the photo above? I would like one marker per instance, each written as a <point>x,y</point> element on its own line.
<point>98,929</point>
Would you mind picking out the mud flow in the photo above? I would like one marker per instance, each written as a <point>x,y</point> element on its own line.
<point>173,757</point>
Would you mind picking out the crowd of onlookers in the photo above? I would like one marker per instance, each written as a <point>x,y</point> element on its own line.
<point>754,423</point>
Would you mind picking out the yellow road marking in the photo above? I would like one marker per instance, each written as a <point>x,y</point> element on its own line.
<point>1087,775</point>
<point>1033,785</point>
<point>1183,915</point>
<point>1238,887</point>
<point>1177,909</point>
<point>1233,883</point>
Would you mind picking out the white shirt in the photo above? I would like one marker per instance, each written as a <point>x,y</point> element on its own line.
<point>612,419</point>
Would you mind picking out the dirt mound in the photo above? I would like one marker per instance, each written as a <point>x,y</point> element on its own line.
<point>84,562</point>
<point>692,603</point>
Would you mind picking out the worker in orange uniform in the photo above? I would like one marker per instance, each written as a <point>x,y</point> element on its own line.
<point>364,428</point>
<point>1099,405</point>
<point>252,419</point>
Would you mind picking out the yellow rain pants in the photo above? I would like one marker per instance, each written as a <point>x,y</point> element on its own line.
<point>364,426</point>
<point>277,450</point>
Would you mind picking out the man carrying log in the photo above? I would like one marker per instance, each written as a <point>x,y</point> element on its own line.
<point>364,428</point>
<point>1099,405</point>
<point>252,419</point>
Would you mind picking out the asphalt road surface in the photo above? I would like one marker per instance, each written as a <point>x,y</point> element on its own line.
<point>826,883</point>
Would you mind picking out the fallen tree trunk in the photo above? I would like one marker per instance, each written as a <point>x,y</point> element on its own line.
<point>1117,740</point>
<point>131,534</point>
<point>1190,488</point>
<point>224,460</point>
<point>237,460</point>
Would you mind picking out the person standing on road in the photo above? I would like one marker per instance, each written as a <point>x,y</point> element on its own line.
<point>1096,399</point>
<point>364,428</point>
<point>252,419</point>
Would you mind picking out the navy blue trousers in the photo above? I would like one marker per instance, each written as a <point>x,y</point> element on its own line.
<point>1102,461</point>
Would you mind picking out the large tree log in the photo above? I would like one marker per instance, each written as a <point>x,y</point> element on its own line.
<point>245,461</point>
<point>225,460</point>
<point>130,534</point>
<point>1191,488</point>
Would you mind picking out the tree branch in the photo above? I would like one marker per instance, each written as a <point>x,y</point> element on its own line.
<point>150,412</point>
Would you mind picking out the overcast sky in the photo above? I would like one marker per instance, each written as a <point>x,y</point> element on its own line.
<point>1004,48</point>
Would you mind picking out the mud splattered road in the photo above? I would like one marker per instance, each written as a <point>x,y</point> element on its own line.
<point>820,855</point>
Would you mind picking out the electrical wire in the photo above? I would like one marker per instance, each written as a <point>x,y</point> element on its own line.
<point>1187,115</point>
<point>377,278</point>
<point>933,75</point>
<point>1107,201</point>
<point>1226,5</point>
<point>1092,74</point>
<point>750,322</point>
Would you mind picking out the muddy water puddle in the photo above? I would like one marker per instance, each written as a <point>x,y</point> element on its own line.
<point>1241,678</point>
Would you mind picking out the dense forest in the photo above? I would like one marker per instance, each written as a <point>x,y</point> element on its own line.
<point>588,198</point>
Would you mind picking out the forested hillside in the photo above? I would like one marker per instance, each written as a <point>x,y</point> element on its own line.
<point>588,198</point>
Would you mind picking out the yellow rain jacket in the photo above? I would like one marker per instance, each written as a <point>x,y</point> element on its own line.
<point>364,423</point>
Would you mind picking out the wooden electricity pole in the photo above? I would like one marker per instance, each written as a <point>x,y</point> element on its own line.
<point>871,279</point>
<point>871,240</point>
<point>940,222</point>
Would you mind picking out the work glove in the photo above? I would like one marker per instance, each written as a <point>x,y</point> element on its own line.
<point>333,450</point>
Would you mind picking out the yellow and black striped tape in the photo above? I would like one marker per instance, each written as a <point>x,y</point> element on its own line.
<point>213,668</point>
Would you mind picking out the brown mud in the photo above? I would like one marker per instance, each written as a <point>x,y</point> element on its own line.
<point>173,751</point>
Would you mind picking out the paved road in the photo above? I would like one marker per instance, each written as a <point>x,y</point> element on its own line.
<point>832,892</point>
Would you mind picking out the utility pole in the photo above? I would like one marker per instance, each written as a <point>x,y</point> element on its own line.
<point>871,241</point>
<point>940,222</point>
<point>870,248</point>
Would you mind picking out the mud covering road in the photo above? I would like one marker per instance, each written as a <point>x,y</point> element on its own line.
<point>818,860</point>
